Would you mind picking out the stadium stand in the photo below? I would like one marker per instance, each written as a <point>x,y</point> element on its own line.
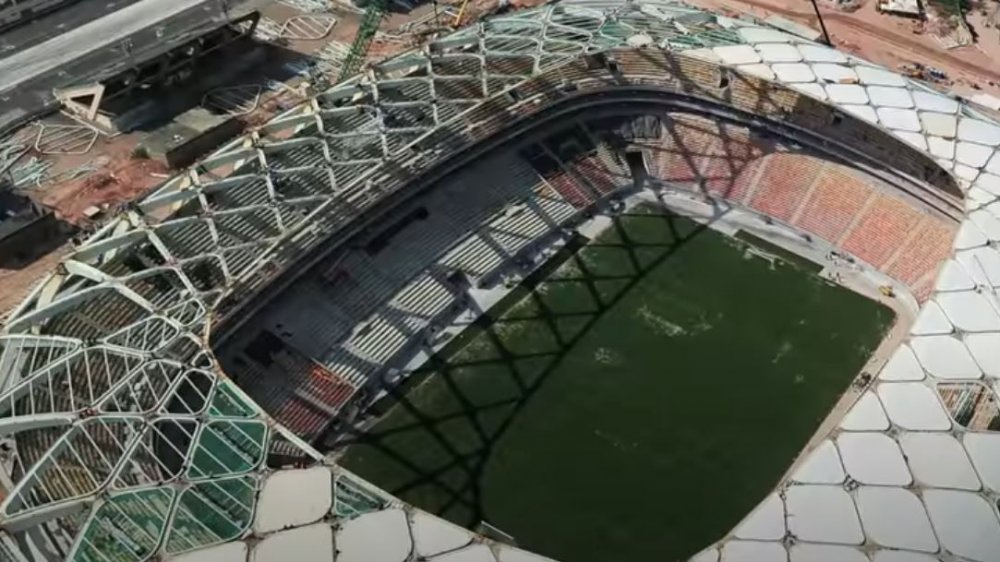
<point>851,210</point>
<point>365,312</point>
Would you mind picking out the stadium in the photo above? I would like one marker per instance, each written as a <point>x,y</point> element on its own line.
<point>609,281</point>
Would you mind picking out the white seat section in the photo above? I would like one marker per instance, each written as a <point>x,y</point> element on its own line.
<point>424,297</point>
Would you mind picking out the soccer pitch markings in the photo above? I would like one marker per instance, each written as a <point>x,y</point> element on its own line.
<point>632,402</point>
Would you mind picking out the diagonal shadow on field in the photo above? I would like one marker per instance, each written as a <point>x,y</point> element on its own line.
<point>454,488</point>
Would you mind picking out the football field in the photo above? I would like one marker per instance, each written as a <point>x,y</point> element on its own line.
<point>630,403</point>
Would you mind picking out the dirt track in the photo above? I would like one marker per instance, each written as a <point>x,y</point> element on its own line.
<point>888,40</point>
<point>884,35</point>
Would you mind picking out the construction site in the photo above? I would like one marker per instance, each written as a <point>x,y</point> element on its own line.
<point>97,133</point>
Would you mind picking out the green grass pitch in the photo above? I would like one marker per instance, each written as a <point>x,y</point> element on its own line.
<point>630,403</point>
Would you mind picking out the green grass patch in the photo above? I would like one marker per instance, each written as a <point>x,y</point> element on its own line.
<point>631,403</point>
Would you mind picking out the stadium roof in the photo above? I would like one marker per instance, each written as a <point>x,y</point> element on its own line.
<point>123,440</point>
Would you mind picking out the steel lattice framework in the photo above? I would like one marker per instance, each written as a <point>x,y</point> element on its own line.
<point>123,438</point>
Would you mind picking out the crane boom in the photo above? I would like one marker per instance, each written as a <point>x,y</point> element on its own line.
<point>363,39</point>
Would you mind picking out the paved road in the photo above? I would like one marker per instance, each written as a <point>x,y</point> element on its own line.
<point>94,51</point>
<point>98,34</point>
<point>72,16</point>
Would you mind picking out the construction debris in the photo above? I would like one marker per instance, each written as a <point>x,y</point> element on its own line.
<point>902,7</point>
<point>267,30</point>
<point>106,188</point>
<point>946,22</point>
<point>234,100</point>
<point>65,139</point>
<point>10,153</point>
<point>78,172</point>
<point>31,174</point>
<point>307,27</point>
<point>330,59</point>
<point>923,72</point>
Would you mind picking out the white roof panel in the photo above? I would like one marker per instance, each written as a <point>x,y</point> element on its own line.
<point>994,164</point>
<point>865,415</point>
<point>834,73</point>
<point>760,70</point>
<point>873,76</point>
<point>821,53</point>
<point>902,366</point>
<point>292,498</point>
<point>902,119</point>
<point>987,223</point>
<point>917,140</point>
<point>985,350</point>
<point>974,130</point>
<point>381,536</point>
<point>969,237</point>
<point>935,102</point>
<point>965,172</point>
<point>752,551</point>
<point>778,52</point>
<point>873,458</point>
<point>847,93</point>
<point>965,523</point>
<point>939,124</point>
<point>937,459</point>
<point>737,54</point>
<point>972,154</point>
<point>984,450</point>
<point>989,182</point>
<point>304,544</point>
<point>803,552</point>
<point>432,535</point>
<point>913,406</point>
<point>766,522</point>
<point>705,54</point>
<point>970,311</point>
<point>981,263</point>
<point>931,321</point>
<point>821,465</point>
<point>763,34</point>
<point>944,356</point>
<point>809,88</point>
<point>954,278</point>
<point>888,96</point>
<point>472,553</point>
<point>793,72</point>
<point>900,556</point>
<point>976,198</point>
<point>865,112</point>
<point>895,518</point>
<point>941,148</point>
<point>822,514</point>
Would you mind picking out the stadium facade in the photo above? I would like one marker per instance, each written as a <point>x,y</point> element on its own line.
<point>123,439</point>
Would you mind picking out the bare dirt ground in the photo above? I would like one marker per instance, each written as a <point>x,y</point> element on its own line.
<point>17,283</point>
<point>890,40</point>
